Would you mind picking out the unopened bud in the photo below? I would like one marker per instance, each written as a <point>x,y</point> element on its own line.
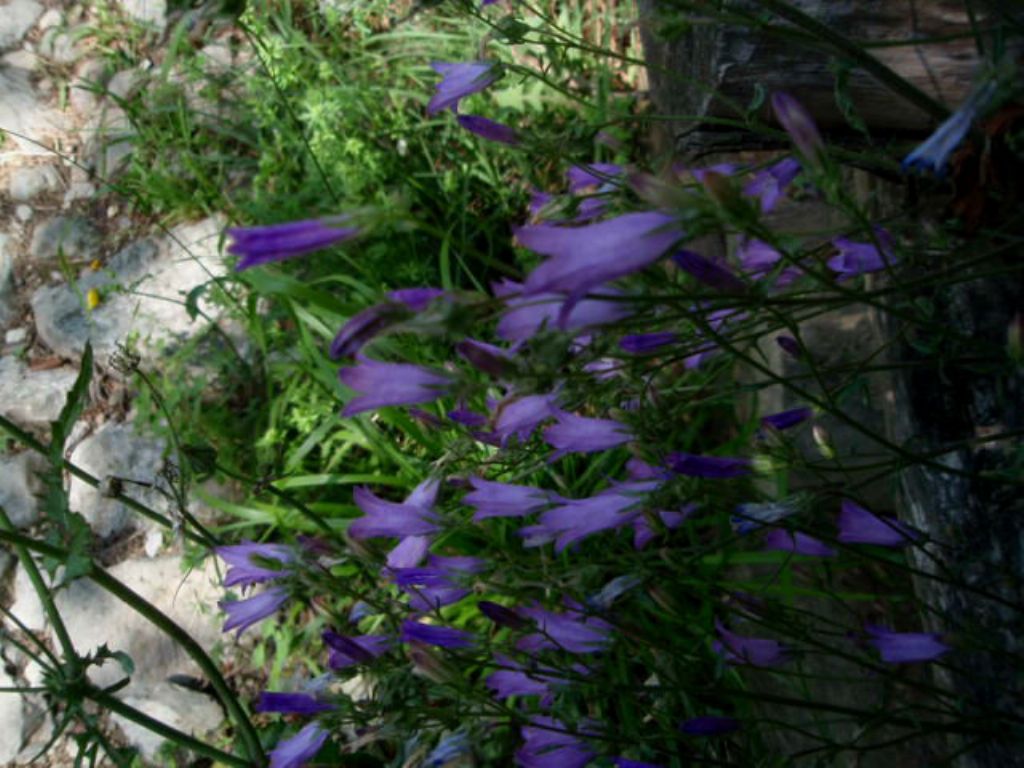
<point>800,126</point>
<point>824,441</point>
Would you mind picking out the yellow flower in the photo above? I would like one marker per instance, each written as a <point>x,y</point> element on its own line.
<point>92,299</point>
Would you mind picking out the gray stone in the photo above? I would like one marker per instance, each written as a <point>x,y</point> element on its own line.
<point>16,336</point>
<point>23,212</point>
<point>60,46</point>
<point>188,711</point>
<point>125,82</point>
<point>20,486</point>
<point>33,398</point>
<point>74,237</point>
<point>10,721</point>
<point>146,11</point>
<point>7,298</point>
<point>156,277</point>
<point>26,606</point>
<point>52,18</point>
<point>89,75</point>
<point>115,450</point>
<point>29,182</point>
<point>17,18</point>
<point>32,124</point>
<point>108,142</point>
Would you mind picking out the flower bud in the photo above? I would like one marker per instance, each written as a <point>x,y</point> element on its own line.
<point>824,441</point>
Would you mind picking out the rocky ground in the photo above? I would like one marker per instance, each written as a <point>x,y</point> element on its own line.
<point>63,234</point>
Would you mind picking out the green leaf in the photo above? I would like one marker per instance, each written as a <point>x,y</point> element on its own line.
<point>73,406</point>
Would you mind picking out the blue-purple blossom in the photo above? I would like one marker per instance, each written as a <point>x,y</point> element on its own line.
<point>278,242</point>
<point>643,533</point>
<point>787,419</point>
<point>571,631</point>
<point>242,614</point>
<point>441,582</point>
<point>501,615</point>
<point>526,315</point>
<point>906,647</point>
<point>933,154</point>
<point>579,434</point>
<point>512,679</point>
<point>449,748</point>
<point>363,326</point>
<point>709,725</point>
<point>693,465</point>
<point>520,416</point>
<point>759,258</point>
<point>389,518</point>
<point>493,499</point>
<point>751,516</point>
<point>246,571</point>
<point>409,552</point>
<point>790,346</point>
<point>384,384</point>
<point>546,744</point>
<point>488,129</point>
<point>582,258</point>
<point>430,634</point>
<point>300,748</point>
<point>860,258</point>
<point>460,79</point>
<point>416,299</point>
<point>291,703</point>
<point>708,272</point>
<point>610,509</point>
<point>859,526</point>
<point>625,762</point>
<point>492,360</point>
<point>799,124</point>
<point>769,185</point>
<point>348,651</point>
<point>780,540</point>
<point>591,175</point>
<point>604,598</point>
<point>755,651</point>
<point>642,343</point>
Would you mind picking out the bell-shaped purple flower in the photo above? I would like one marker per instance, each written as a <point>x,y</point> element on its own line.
<point>291,703</point>
<point>579,434</point>
<point>591,175</point>
<point>493,499</point>
<point>526,315</point>
<point>790,346</point>
<point>643,533</point>
<point>611,509</point>
<point>906,647</point>
<point>520,416</point>
<point>769,185</point>
<point>441,582</point>
<point>642,343</point>
<point>430,634</point>
<point>708,272</point>
<point>759,258</point>
<point>245,571</point>
<point>570,631</point>
<point>751,516</point>
<point>709,725</point>
<point>756,651</point>
<point>492,360</point>
<point>546,744</point>
<point>780,540</point>
<point>364,326</point>
<point>799,124</point>
<point>459,79</point>
<point>583,258</point>
<point>300,748</point>
<point>388,518</point>
<point>693,465</point>
<point>415,299</point>
<point>409,552</point>
<point>512,679</point>
<point>488,129</point>
<point>499,614</point>
<point>859,526</point>
<point>625,762</point>
<point>860,258</point>
<point>242,614</point>
<point>448,749</point>
<point>349,651</point>
<point>933,154</point>
<point>384,384</point>
<point>278,242</point>
<point>787,419</point>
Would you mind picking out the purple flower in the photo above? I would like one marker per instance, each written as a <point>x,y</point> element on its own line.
<point>643,533</point>
<point>790,346</point>
<point>799,124</point>
<point>467,418</point>
<point>546,744</point>
<point>780,540</point>
<point>460,79</point>
<point>391,384</point>
<point>450,747</point>
<point>349,651</point>
<point>708,272</point>
<point>526,315</point>
<point>278,242</point>
<point>709,725</point>
<point>906,647</point>
<point>858,526</point>
<point>291,703</point>
<point>860,258</point>
<point>579,434</point>
<point>245,571</point>
<point>570,631</point>
<point>388,518</point>
<point>244,613</point>
<point>303,746</point>
<point>787,419</point>
<point>521,416</point>
<point>770,184</point>
<point>625,762</point>
<point>579,518</point>
<point>515,680</point>
<point>492,499</point>
<point>430,634</point>
<point>933,154</point>
<point>438,584</point>
<point>586,257</point>
<point>416,299</point>
<point>501,615</point>
<point>642,343</point>
<point>612,591</point>
<point>488,129</point>
<point>758,258</point>
<point>485,357</point>
<point>692,465</point>
<point>364,326</point>
<point>756,651</point>
<point>750,516</point>
<point>408,552</point>
<point>591,175</point>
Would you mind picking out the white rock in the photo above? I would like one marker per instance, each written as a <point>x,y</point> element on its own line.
<point>162,273</point>
<point>33,398</point>
<point>23,212</point>
<point>147,11</point>
<point>189,711</point>
<point>107,140</point>
<point>19,487</point>
<point>7,298</point>
<point>125,82</point>
<point>154,543</point>
<point>17,18</point>
<point>27,607</point>
<point>59,45</point>
<point>89,75</point>
<point>115,450</point>
<point>27,183</point>
<point>52,18</point>
<point>10,721</point>
<point>16,335</point>
<point>33,124</point>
